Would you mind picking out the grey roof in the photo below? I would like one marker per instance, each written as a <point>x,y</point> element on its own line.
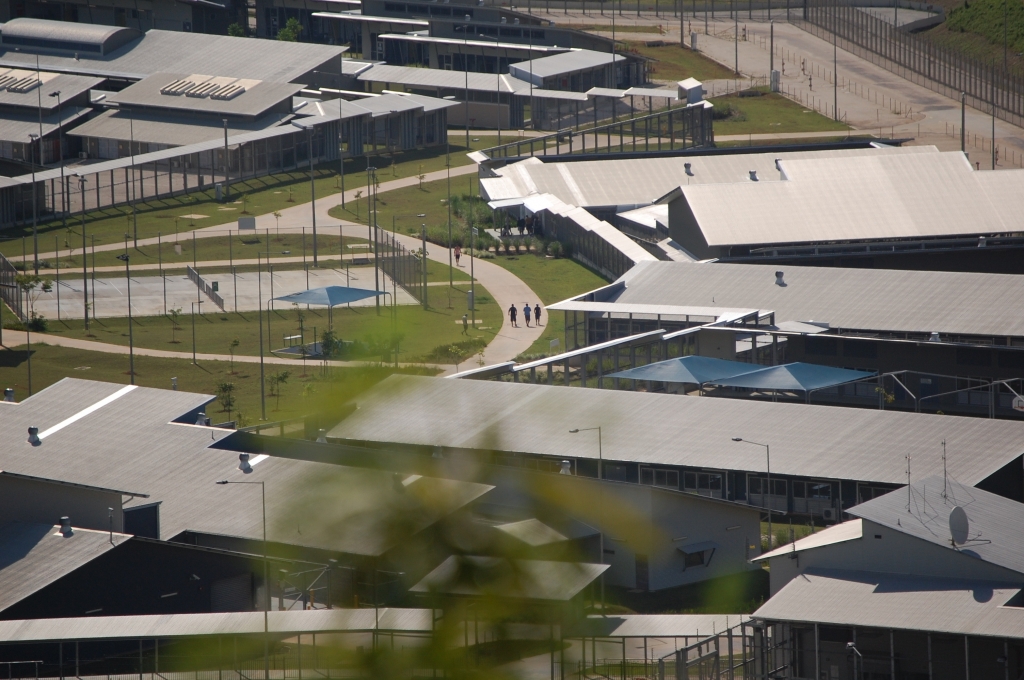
<point>846,298</point>
<point>16,127</point>
<point>234,623</point>
<point>868,198</point>
<point>132,443</point>
<point>32,556</point>
<point>996,531</point>
<point>255,101</point>
<point>68,85</point>
<point>837,533</point>
<point>429,103</point>
<point>273,60</point>
<point>567,62</point>
<point>532,532</point>
<point>652,92</point>
<point>637,182</point>
<point>488,44</point>
<point>156,128</point>
<point>388,103</point>
<point>806,440</point>
<point>450,80</point>
<point>66,35</point>
<point>357,15</point>
<point>498,577</point>
<point>897,602</point>
<point>657,625</point>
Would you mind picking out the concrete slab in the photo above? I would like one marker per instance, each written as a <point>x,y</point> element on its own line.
<point>148,292</point>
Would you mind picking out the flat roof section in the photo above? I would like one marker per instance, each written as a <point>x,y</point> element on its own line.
<point>256,99</point>
<point>166,128</point>
<point>572,61</point>
<point>16,127</point>
<point>66,35</point>
<point>69,87</point>
<point>889,601</point>
<point>519,579</point>
<point>439,78</point>
<point>666,429</point>
<point>872,300</point>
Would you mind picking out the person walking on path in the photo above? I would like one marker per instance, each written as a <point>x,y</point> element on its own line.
<point>465,324</point>
<point>526,313</point>
<point>536,313</point>
<point>458,255</point>
<point>512,312</point>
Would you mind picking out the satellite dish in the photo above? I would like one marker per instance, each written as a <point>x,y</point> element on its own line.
<point>958,525</point>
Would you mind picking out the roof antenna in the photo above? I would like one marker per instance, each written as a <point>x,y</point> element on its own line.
<point>110,519</point>
<point>909,492</point>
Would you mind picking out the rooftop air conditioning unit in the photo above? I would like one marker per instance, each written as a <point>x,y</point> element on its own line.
<point>83,155</point>
<point>829,514</point>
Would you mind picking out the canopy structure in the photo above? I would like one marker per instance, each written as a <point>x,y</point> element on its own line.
<point>689,369</point>
<point>798,377</point>
<point>701,371</point>
<point>329,296</point>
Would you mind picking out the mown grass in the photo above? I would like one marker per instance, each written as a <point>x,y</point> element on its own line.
<point>673,62</point>
<point>767,113</point>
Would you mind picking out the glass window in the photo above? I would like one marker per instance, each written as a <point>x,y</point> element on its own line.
<point>689,480</point>
<point>755,485</point>
<point>646,476</point>
<point>819,490</point>
<point>799,489</point>
<point>659,477</point>
<point>616,473</point>
<point>778,487</point>
<point>693,559</point>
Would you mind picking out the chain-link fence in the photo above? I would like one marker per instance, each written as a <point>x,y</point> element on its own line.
<point>9,290</point>
<point>986,86</point>
<point>404,268</point>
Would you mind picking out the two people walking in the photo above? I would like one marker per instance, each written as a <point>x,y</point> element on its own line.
<point>513,314</point>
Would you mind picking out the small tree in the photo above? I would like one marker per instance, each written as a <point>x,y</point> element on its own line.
<point>359,194</point>
<point>276,381</point>
<point>32,285</point>
<point>277,222</point>
<point>234,344</point>
<point>421,176</point>
<point>236,30</point>
<point>455,352</point>
<point>225,392</point>
<point>291,31</point>
<point>175,315</point>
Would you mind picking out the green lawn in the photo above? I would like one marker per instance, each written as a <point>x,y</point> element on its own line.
<point>768,113</point>
<point>263,195</point>
<point>419,331</point>
<point>300,395</point>
<point>402,207</point>
<point>553,280</point>
<point>676,63</point>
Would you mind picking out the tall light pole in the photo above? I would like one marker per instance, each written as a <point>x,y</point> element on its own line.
<point>312,187</point>
<point>266,576</point>
<point>259,295</point>
<point>60,155</point>
<point>32,137</point>
<point>131,150</point>
<point>131,337</point>
<point>600,476</point>
<point>768,457</point>
<point>465,65</point>
<point>85,266</point>
<point>497,74</point>
<point>371,181</point>
<point>194,303</point>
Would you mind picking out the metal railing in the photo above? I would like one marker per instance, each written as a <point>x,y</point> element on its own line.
<point>404,268</point>
<point>206,287</point>
<point>9,290</point>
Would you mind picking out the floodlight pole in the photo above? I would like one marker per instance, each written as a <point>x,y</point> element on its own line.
<point>768,456</point>
<point>131,338</point>
<point>600,476</point>
<point>266,577</point>
<point>35,233</point>
<point>60,153</point>
<point>194,303</point>
<point>312,192</point>
<point>963,120</point>
<point>85,267</point>
<point>259,295</point>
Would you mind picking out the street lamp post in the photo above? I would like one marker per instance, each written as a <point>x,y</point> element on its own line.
<point>371,186</point>
<point>423,236</point>
<point>60,154</point>
<point>600,476</point>
<point>259,296</point>
<point>194,303</point>
<point>35,233</point>
<point>131,142</point>
<point>266,575</point>
<point>768,460</point>
<point>312,191</point>
<point>465,66</point>
<point>131,337</point>
<point>85,266</point>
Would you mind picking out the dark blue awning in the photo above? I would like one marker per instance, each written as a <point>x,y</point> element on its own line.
<point>329,296</point>
<point>688,369</point>
<point>799,377</point>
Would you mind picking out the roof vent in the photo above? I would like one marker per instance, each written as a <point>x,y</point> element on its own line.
<point>753,175</point>
<point>9,394</point>
<point>778,164</point>
<point>65,527</point>
<point>322,437</point>
<point>566,468</point>
<point>779,281</point>
<point>243,463</point>
<point>688,167</point>
<point>33,436</point>
<point>934,337</point>
<point>201,419</point>
<point>515,21</point>
<point>504,20</point>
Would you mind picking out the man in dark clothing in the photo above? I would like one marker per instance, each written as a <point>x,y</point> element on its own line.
<point>512,312</point>
<point>536,313</point>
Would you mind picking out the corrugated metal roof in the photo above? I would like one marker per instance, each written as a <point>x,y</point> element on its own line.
<point>636,182</point>
<point>562,64</point>
<point>897,602</point>
<point>415,37</point>
<point>996,531</point>
<point>837,533</point>
<point>498,577</point>
<point>236,623</point>
<point>532,532</point>
<point>806,440</point>
<point>872,197</point>
<point>658,625</point>
<point>357,15</point>
<point>273,60</point>
<point>254,101</point>
<point>130,443</point>
<point>64,31</point>
<point>432,77</point>
<point>652,92</point>
<point>175,130</point>
<point>32,556</point>
<point>16,127</point>
<point>69,87</point>
<point>846,298</point>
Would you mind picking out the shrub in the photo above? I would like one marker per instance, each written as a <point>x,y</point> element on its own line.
<point>555,249</point>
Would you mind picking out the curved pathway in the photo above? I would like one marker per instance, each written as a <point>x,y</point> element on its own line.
<point>506,288</point>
